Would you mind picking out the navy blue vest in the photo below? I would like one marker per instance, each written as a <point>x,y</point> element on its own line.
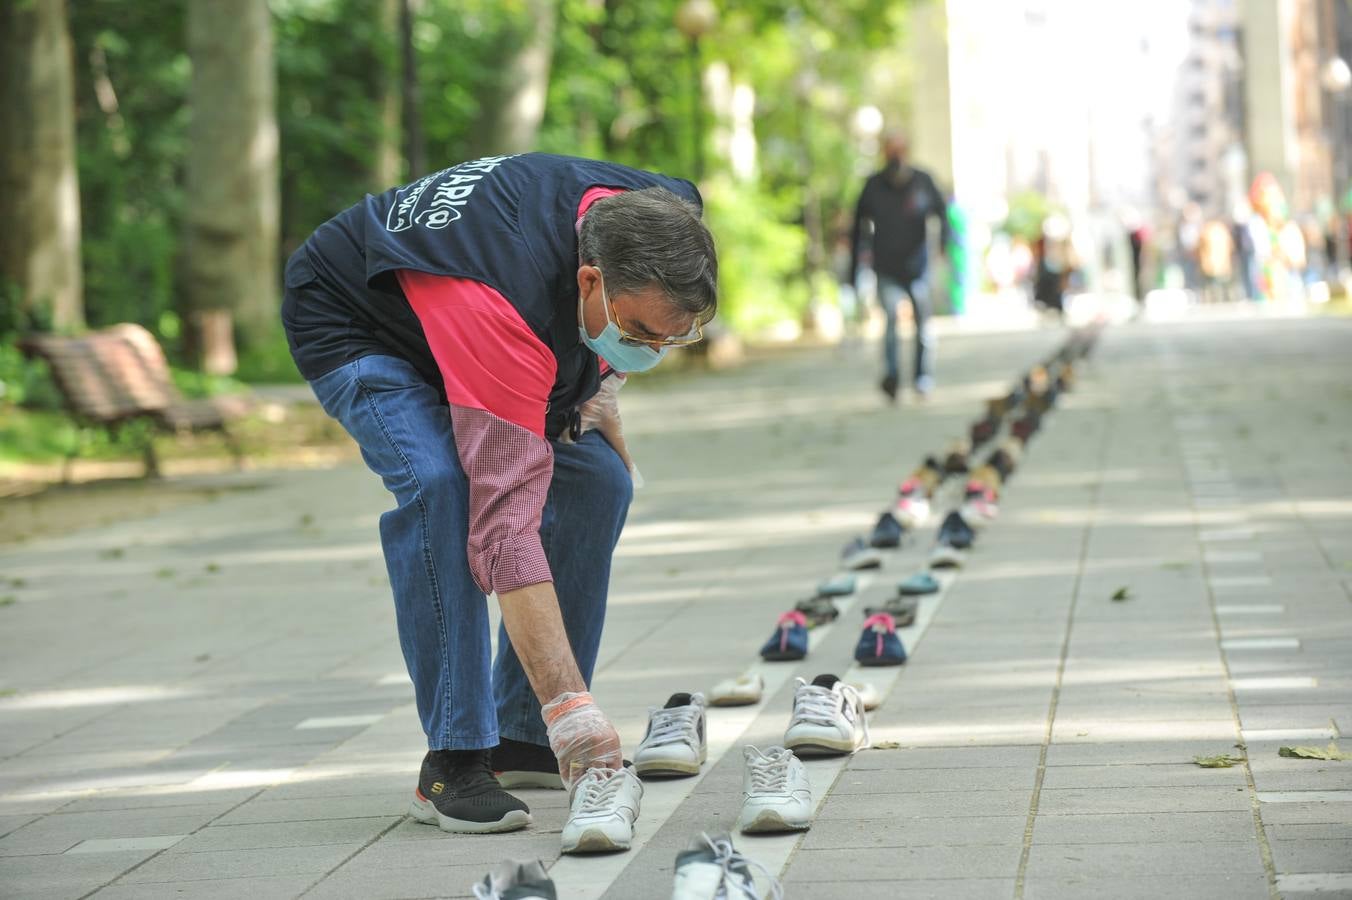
<point>505,221</point>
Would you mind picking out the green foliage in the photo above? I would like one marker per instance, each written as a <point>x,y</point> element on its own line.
<point>624,86</point>
<point>760,257</point>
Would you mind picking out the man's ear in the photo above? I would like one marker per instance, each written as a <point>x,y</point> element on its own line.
<point>587,277</point>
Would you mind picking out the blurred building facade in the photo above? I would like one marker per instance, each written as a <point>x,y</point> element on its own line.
<point>1153,105</point>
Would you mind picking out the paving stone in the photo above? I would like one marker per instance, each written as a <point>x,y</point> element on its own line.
<point>255,887</point>
<point>218,864</point>
<point>990,861</point>
<point>1120,860</point>
<point>1129,776</point>
<point>1070,801</point>
<point>933,780</point>
<point>926,805</point>
<point>354,883</point>
<point>844,834</point>
<point>1331,854</point>
<point>1135,885</point>
<point>1321,884</point>
<point>1142,828</point>
<point>916,889</point>
<point>285,834</point>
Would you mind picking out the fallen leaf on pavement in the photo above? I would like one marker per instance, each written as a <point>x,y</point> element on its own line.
<point>1224,761</point>
<point>1122,593</point>
<point>885,745</point>
<point>1331,752</point>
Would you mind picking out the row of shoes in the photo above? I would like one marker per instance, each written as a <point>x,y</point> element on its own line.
<point>828,719</point>
<point>709,868</point>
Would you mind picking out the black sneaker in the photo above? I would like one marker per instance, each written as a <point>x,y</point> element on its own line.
<point>458,793</point>
<point>889,387</point>
<point>519,765</point>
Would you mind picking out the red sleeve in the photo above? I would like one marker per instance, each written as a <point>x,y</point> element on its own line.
<point>498,376</point>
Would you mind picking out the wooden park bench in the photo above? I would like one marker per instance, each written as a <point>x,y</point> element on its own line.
<point>118,375</point>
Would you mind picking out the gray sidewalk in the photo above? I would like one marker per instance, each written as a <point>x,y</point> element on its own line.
<point>210,702</point>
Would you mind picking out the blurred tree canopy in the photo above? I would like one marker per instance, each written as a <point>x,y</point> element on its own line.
<point>358,94</point>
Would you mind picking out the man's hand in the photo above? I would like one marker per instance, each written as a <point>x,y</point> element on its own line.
<point>602,413</point>
<point>581,736</point>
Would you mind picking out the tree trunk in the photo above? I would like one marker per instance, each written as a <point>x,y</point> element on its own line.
<point>387,160</point>
<point>39,185</point>
<point>415,150</point>
<point>514,120</point>
<point>231,218</point>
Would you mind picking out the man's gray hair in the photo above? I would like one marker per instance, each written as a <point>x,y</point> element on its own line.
<point>652,238</point>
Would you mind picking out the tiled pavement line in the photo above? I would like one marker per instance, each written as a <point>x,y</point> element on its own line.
<point>1260,833</point>
<point>1021,876</point>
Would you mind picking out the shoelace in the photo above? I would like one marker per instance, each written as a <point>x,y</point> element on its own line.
<point>769,771</point>
<point>483,891</point>
<point>598,789</point>
<point>672,725</point>
<point>821,706</point>
<point>882,624</point>
<point>725,856</point>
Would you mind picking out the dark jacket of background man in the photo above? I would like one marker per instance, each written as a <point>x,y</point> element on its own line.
<point>898,200</point>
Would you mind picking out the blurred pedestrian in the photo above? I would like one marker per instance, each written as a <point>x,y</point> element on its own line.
<point>1215,258</point>
<point>1055,262</point>
<point>899,200</point>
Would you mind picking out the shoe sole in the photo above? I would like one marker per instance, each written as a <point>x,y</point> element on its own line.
<point>778,656</point>
<point>915,593</point>
<point>821,748</point>
<point>594,840</point>
<point>880,661</point>
<point>522,779</point>
<point>768,821</point>
<point>671,768</point>
<point>425,812</point>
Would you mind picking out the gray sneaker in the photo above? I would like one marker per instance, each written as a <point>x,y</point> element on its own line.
<point>710,869</point>
<point>512,880</point>
<point>676,743</point>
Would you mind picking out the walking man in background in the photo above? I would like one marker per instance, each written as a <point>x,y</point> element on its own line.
<point>899,201</point>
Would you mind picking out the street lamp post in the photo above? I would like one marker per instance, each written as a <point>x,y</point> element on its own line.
<point>694,19</point>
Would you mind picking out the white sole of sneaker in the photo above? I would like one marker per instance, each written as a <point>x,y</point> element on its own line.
<point>595,840</point>
<point>425,812</point>
<point>820,747</point>
<point>519,780</point>
<point>768,821</point>
<point>673,768</point>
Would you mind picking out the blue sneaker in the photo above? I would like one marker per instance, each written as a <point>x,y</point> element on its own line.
<point>789,642</point>
<point>879,644</point>
<point>918,585</point>
<point>956,533</point>
<point>887,533</point>
<point>837,586</point>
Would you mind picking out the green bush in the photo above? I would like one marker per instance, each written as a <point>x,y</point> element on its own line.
<point>760,257</point>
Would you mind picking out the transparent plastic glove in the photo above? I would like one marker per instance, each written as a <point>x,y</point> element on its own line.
<point>602,413</point>
<point>580,735</point>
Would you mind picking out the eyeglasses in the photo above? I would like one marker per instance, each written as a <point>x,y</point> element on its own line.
<point>694,336</point>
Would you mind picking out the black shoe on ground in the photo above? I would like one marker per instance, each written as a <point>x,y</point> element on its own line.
<point>520,765</point>
<point>458,793</point>
<point>889,387</point>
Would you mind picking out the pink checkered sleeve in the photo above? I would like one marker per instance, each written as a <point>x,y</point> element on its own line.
<point>498,375</point>
<point>509,470</point>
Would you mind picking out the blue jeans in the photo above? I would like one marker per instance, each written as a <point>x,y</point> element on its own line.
<point>466,700</point>
<point>889,295</point>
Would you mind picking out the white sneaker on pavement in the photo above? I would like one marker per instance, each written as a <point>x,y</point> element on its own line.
<point>604,808</point>
<point>710,869</point>
<point>676,742</point>
<point>776,795</point>
<point>828,718</point>
<point>744,690</point>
